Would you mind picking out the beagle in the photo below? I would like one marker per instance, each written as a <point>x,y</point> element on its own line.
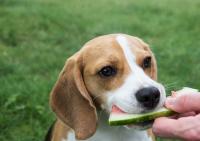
<point>110,70</point>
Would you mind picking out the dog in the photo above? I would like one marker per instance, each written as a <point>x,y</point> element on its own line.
<point>111,70</point>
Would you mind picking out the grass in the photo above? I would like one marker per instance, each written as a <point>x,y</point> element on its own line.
<point>36,37</point>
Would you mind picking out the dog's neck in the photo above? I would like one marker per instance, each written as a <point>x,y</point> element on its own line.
<point>116,133</point>
<point>105,132</point>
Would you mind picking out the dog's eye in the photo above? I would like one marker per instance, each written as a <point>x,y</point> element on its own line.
<point>146,63</point>
<point>107,71</point>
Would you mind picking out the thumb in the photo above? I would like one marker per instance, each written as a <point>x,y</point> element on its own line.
<point>185,102</point>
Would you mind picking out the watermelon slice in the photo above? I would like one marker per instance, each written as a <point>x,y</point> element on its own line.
<point>118,117</point>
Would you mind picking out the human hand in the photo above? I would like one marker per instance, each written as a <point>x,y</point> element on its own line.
<point>185,125</point>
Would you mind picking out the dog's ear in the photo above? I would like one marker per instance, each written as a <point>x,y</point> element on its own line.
<point>71,101</point>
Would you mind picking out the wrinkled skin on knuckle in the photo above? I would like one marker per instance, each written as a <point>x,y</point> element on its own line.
<point>191,135</point>
<point>182,102</point>
<point>188,129</point>
<point>156,127</point>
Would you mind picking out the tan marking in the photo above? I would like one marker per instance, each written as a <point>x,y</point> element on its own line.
<point>97,54</point>
<point>79,81</point>
<point>105,50</point>
<point>70,91</point>
<point>60,131</point>
<point>150,134</point>
<point>142,50</point>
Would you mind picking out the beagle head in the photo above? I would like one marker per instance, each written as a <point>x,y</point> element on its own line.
<point>110,70</point>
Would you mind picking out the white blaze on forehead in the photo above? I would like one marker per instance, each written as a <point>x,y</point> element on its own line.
<point>136,70</point>
<point>126,49</point>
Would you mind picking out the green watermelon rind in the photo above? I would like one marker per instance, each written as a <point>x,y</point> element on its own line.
<point>124,119</point>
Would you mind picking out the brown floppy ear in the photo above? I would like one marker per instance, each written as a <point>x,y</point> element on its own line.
<point>71,101</point>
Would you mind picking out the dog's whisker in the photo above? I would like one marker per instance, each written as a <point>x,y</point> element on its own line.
<point>169,87</point>
<point>171,84</point>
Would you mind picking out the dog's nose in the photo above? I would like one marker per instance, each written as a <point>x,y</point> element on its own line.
<point>148,97</point>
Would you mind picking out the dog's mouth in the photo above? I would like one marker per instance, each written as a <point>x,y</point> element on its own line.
<point>140,125</point>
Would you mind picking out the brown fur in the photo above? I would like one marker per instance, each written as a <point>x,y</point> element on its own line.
<point>79,83</point>
<point>71,101</point>
<point>60,134</point>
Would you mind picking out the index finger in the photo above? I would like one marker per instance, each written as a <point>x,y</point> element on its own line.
<point>183,103</point>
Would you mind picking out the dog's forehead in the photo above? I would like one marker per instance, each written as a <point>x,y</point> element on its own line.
<point>108,46</point>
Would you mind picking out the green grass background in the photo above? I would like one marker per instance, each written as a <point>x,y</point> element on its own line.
<point>36,37</point>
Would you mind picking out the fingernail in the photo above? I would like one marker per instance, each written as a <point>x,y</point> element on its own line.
<point>170,101</point>
<point>173,93</point>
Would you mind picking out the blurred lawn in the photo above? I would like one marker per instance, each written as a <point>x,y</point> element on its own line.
<point>36,37</point>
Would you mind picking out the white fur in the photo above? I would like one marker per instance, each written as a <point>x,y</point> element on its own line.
<point>65,140</point>
<point>124,96</point>
<point>70,136</point>
<point>109,133</point>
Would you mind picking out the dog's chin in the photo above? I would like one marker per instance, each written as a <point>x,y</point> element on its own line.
<point>140,126</point>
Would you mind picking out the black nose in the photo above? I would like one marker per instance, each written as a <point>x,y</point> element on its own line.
<point>148,97</point>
